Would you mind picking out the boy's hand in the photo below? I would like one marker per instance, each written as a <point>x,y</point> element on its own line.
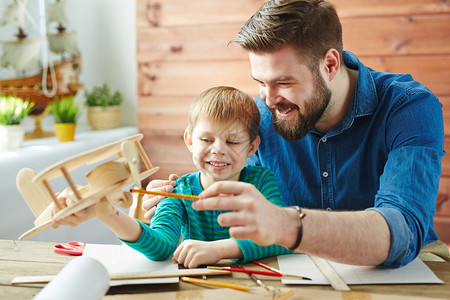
<point>77,218</point>
<point>193,253</point>
<point>149,202</point>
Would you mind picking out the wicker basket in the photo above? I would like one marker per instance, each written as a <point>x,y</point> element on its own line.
<point>101,118</point>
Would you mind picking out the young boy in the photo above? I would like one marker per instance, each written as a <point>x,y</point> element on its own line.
<point>221,135</point>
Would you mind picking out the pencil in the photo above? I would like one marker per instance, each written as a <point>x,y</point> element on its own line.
<point>266,273</point>
<point>215,283</point>
<point>266,266</point>
<point>172,195</point>
<point>278,271</point>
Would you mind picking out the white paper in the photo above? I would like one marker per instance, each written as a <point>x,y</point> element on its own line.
<point>300,264</point>
<point>82,278</point>
<point>121,260</point>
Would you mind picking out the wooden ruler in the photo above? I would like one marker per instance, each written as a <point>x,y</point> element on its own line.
<point>330,274</point>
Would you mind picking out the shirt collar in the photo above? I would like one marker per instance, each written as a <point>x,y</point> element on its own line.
<point>364,101</point>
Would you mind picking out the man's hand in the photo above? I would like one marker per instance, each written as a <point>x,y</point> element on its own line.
<point>253,217</point>
<point>149,202</point>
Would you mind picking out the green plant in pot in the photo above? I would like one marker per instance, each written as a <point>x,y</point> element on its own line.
<point>65,112</point>
<point>13,111</point>
<point>103,107</point>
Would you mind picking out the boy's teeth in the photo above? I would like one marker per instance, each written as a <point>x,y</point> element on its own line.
<point>218,164</point>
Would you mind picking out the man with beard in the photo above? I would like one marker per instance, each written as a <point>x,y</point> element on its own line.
<point>356,152</point>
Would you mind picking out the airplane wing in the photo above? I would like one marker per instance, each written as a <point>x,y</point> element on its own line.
<point>88,158</point>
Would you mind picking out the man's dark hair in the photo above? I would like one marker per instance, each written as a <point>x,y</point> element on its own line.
<point>311,26</point>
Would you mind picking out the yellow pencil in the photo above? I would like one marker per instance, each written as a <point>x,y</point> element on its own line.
<point>215,283</point>
<point>172,195</point>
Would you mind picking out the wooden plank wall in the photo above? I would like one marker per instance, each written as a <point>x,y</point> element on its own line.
<point>182,50</point>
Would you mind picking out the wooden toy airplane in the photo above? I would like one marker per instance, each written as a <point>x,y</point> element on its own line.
<point>105,182</point>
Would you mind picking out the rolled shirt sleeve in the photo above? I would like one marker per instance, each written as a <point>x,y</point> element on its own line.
<point>406,199</point>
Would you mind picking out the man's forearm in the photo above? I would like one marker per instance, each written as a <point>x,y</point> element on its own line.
<point>358,238</point>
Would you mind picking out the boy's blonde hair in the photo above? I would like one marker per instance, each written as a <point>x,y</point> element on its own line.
<point>225,103</point>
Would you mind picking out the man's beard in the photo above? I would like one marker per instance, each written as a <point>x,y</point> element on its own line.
<point>299,126</point>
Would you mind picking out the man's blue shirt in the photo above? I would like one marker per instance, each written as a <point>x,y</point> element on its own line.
<point>384,155</point>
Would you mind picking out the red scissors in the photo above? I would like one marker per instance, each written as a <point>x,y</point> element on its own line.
<point>71,248</point>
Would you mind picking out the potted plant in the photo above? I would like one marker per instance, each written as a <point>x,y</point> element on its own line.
<point>65,112</point>
<point>103,107</point>
<point>12,112</point>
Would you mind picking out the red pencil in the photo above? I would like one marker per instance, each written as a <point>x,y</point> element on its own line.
<point>266,266</point>
<point>266,273</point>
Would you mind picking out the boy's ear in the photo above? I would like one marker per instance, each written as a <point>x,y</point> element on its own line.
<point>188,139</point>
<point>254,146</point>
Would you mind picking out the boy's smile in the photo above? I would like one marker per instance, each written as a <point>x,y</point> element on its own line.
<point>219,149</point>
<point>218,165</point>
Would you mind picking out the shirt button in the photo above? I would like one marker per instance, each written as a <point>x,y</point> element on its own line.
<point>324,139</point>
<point>325,174</point>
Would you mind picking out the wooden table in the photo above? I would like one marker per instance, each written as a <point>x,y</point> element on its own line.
<point>25,258</point>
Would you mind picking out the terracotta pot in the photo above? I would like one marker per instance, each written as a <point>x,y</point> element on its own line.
<point>101,118</point>
<point>11,136</point>
<point>65,132</point>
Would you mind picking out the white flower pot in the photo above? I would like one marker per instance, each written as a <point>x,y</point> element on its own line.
<point>11,136</point>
